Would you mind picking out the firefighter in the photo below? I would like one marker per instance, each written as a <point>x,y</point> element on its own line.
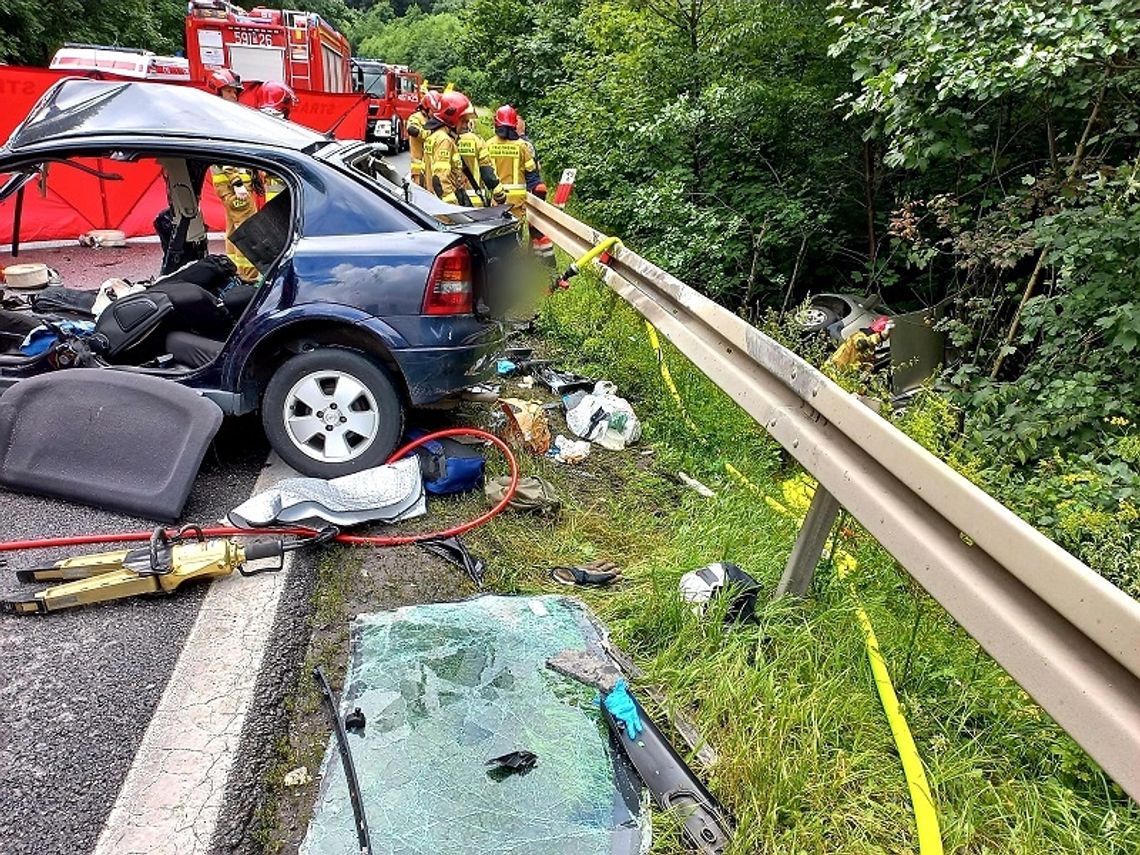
<point>443,167</point>
<point>480,180</point>
<point>224,83</point>
<point>512,159</point>
<point>540,244</point>
<point>234,185</point>
<point>276,99</point>
<point>417,133</point>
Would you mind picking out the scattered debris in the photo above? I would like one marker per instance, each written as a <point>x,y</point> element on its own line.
<point>605,418</point>
<point>595,573</point>
<point>690,481</point>
<point>566,450</point>
<point>298,777</point>
<point>354,722</point>
<point>527,424</point>
<point>388,493</point>
<point>99,238</point>
<point>706,824</point>
<point>454,550</point>
<point>515,762</point>
<point>533,494</point>
<point>701,586</point>
<point>526,383</point>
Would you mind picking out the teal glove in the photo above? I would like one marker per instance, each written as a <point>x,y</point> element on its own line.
<point>622,707</point>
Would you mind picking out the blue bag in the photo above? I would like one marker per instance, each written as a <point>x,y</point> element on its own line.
<point>448,466</point>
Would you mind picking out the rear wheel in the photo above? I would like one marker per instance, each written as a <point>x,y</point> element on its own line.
<point>331,412</point>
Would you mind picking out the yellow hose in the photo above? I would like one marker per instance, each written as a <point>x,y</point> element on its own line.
<point>605,246</point>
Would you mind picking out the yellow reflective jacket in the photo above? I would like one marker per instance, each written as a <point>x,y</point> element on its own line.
<point>473,152</point>
<point>443,168</point>
<point>417,136</point>
<point>512,161</point>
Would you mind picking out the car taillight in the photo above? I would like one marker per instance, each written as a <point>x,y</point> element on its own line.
<point>449,286</point>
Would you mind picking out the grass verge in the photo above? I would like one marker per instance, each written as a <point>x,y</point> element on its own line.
<point>807,763</point>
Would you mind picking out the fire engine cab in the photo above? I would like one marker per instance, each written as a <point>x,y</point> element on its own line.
<point>393,93</point>
<point>129,63</point>
<point>297,48</point>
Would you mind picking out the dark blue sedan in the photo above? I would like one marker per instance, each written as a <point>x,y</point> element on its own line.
<point>372,297</point>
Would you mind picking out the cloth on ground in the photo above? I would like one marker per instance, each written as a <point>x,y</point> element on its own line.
<point>388,493</point>
<point>533,494</point>
<point>566,450</point>
<point>605,418</point>
<point>40,340</point>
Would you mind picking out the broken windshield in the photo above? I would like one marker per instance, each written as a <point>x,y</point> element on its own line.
<point>446,687</point>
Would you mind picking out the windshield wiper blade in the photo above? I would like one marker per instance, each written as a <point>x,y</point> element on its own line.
<point>346,760</point>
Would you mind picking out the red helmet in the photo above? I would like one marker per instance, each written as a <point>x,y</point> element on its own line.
<point>273,96</point>
<point>430,102</point>
<point>453,106</point>
<point>222,78</point>
<point>506,115</point>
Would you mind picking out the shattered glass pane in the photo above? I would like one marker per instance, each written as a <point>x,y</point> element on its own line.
<point>445,688</point>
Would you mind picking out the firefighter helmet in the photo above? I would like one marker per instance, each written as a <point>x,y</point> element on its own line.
<point>222,78</point>
<point>453,106</point>
<point>275,98</point>
<point>430,102</point>
<point>506,116</point>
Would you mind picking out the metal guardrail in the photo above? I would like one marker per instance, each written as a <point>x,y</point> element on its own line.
<point>1066,634</point>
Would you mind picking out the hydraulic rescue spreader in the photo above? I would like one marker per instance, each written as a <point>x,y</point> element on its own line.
<point>160,567</point>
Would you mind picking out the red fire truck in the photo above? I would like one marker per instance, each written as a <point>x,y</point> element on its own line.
<point>298,48</point>
<point>394,92</point>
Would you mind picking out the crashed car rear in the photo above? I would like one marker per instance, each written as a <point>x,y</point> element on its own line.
<point>371,297</point>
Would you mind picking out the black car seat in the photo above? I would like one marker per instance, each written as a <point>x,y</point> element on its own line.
<point>192,351</point>
<point>123,328</point>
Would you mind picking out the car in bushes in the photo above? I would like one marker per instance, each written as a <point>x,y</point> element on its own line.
<point>372,297</point>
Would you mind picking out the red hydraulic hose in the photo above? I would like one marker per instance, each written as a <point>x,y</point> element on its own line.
<point>302,531</point>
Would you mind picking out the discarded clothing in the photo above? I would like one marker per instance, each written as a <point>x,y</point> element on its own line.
<point>527,424</point>
<point>40,340</point>
<point>533,494</point>
<point>388,493</point>
<point>699,587</point>
<point>605,418</point>
<point>566,450</point>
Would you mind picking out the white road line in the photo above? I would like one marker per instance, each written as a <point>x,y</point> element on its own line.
<point>172,795</point>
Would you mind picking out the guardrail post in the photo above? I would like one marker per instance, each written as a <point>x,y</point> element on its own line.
<point>821,515</point>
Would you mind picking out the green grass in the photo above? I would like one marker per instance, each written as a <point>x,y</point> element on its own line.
<point>807,763</point>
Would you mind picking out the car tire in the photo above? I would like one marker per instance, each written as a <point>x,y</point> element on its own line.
<point>330,412</point>
<point>816,318</point>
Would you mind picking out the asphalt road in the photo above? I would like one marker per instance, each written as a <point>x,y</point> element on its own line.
<point>79,687</point>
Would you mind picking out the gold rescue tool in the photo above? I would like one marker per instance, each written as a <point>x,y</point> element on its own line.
<point>160,567</point>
